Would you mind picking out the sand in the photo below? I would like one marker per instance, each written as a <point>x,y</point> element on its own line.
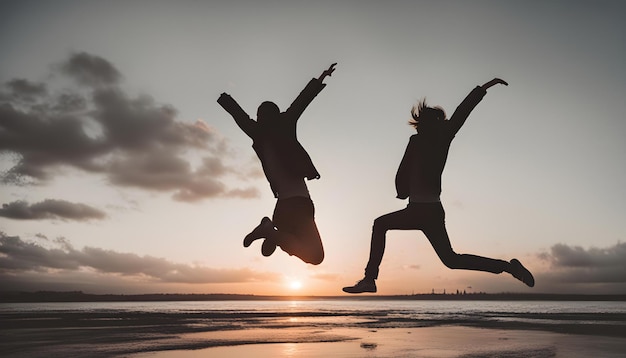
<point>267,334</point>
<point>435,342</point>
<point>440,342</point>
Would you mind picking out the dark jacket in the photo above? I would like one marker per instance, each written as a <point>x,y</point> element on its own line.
<point>425,155</point>
<point>281,135</point>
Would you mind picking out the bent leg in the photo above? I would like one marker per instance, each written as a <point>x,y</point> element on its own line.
<point>297,232</point>
<point>438,236</point>
<point>306,244</point>
<point>397,220</point>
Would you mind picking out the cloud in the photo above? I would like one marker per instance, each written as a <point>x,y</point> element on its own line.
<point>565,269</point>
<point>90,70</point>
<point>50,209</point>
<point>574,264</point>
<point>18,257</point>
<point>24,90</point>
<point>98,128</point>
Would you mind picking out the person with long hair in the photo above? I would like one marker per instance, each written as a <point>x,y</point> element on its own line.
<point>419,179</point>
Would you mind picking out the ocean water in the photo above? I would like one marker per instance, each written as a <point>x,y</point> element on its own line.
<point>412,308</point>
<point>369,313</point>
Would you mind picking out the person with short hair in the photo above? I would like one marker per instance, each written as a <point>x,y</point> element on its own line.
<point>286,164</point>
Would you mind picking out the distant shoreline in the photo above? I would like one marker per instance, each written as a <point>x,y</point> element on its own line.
<point>79,296</point>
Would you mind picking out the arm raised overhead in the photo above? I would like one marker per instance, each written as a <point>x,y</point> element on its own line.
<point>312,89</point>
<point>242,119</point>
<point>470,102</point>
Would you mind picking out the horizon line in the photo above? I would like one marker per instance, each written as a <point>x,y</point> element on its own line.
<point>78,296</point>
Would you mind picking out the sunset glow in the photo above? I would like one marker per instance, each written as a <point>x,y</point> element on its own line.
<point>120,173</point>
<point>295,285</point>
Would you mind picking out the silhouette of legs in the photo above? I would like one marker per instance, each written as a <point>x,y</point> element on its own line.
<point>295,230</point>
<point>264,229</point>
<point>521,273</point>
<point>430,218</point>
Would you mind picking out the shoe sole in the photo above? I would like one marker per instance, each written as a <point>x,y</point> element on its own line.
<point>347,290</point>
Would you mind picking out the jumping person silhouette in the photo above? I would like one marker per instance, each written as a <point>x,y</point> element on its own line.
<point>285,164</point>
<point>419,179</point>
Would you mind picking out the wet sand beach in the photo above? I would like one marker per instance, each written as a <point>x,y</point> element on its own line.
<point>448,342</point>
<point>308,333</point>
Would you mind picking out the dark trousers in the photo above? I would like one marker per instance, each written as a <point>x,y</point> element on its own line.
<point>430,218</point>
<point>297,232</point>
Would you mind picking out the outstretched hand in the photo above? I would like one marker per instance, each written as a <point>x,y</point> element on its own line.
<point>494,82</point>
<point>328,72</point>
<point>224,98</point>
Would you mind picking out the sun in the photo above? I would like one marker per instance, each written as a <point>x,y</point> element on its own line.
<point>295,285</point>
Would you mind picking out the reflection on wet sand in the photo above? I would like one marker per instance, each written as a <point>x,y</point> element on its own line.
<point>442,342</point>
<point>314,329</point>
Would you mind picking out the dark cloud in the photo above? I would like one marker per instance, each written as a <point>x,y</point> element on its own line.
<point>18,257</point>
<point>50,209</point>
<point>167,172</point>
<point>140,123</point>
<point>575,264</point>
<point>132,141</point>
<point>45,141</point>
<point>23,90</point>
<point>70,103</point>
<point>91,70</point>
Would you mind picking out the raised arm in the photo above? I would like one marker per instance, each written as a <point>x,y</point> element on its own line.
<point>328,72</point>
<point>312,89</point>
<point>469,103</point>
<point>242,119</point>
<point>494,82</point>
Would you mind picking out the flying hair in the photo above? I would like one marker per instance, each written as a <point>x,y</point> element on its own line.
<point>422,110</point>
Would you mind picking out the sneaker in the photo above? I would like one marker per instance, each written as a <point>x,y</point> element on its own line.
<point>521,273</point>
<point>262,230</point>
<point>268,247</point>
<point>365,285</point>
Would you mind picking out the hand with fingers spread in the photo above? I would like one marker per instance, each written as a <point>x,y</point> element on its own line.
<point>494,82</point>
<point>328,72</point>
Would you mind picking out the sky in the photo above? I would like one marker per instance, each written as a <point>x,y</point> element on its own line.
<point>120,173</point>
